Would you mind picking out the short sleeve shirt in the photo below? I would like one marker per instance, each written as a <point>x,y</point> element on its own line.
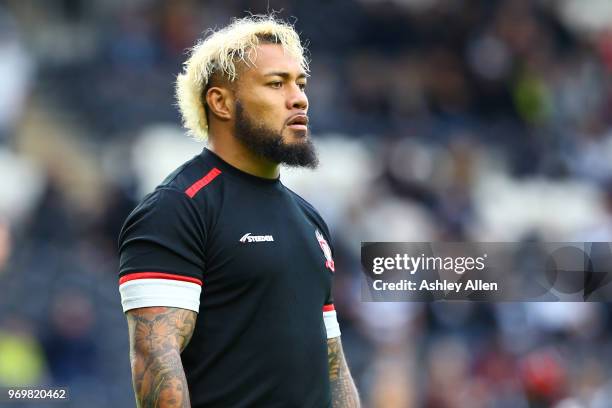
<point>254,260</point>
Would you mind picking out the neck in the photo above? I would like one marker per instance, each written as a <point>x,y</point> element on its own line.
<point>237,155</point>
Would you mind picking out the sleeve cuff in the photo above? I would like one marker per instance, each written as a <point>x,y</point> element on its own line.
<point>331,322</point>
<point>160,292</point>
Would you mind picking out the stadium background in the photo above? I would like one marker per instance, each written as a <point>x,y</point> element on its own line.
<point>474,120</point>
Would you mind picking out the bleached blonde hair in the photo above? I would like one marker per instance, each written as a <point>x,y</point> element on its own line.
<point>219,52</point>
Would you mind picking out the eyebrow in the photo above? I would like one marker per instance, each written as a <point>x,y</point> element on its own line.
<point>285,75</point>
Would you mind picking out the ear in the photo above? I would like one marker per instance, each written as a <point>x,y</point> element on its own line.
<point>220,102</point>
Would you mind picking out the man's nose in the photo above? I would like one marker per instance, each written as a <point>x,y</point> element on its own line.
<point>297,99</point>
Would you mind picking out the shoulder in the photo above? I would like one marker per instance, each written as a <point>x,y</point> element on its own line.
<point>161,203</point>
<point>305,205</point>
<point>186,202</point>
<point>181,202</point>
<point>192,177</point>
<point>165,212</point>
<point>310,211</point>
<point>191,186</point>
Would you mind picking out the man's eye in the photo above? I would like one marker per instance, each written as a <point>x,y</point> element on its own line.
<point>275,84</point>
<point>302,86</point>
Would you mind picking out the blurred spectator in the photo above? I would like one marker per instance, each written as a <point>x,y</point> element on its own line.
<point>22,362</point>
<point>16,73</point>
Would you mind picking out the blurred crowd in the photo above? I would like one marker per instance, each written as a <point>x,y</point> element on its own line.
<point>456,120</point>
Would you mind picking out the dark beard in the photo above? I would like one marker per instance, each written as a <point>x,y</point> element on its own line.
<point>268,144</point>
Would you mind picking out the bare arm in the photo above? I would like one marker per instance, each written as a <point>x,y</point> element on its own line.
<point>158,335</point>
<point>343,390</point>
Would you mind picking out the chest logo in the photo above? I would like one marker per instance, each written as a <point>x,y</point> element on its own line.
<point>329,261</point>
<point>256,238</point>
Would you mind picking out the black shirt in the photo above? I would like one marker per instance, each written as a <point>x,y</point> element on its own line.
<point>259,253</point>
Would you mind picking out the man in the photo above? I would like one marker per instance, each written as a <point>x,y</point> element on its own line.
<point>225,274</point>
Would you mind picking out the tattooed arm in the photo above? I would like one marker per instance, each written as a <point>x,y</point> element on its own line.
<point>343,390</point>
<point>158,335</point>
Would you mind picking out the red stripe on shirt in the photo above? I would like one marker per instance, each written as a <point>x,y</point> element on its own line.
<point>158,275</point>
<point>329,308</point>
<point>201,183</point>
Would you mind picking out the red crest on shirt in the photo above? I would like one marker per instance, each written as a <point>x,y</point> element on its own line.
<point>329,261</point>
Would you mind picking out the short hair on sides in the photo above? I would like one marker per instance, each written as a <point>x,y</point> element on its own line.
<point>218,53</point>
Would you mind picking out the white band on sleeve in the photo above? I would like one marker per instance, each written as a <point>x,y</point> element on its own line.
<point>160,292</point>
<point>331,324</point>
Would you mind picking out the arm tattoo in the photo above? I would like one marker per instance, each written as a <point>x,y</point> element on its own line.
<point>343,390</point>
<point>158,335</point>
